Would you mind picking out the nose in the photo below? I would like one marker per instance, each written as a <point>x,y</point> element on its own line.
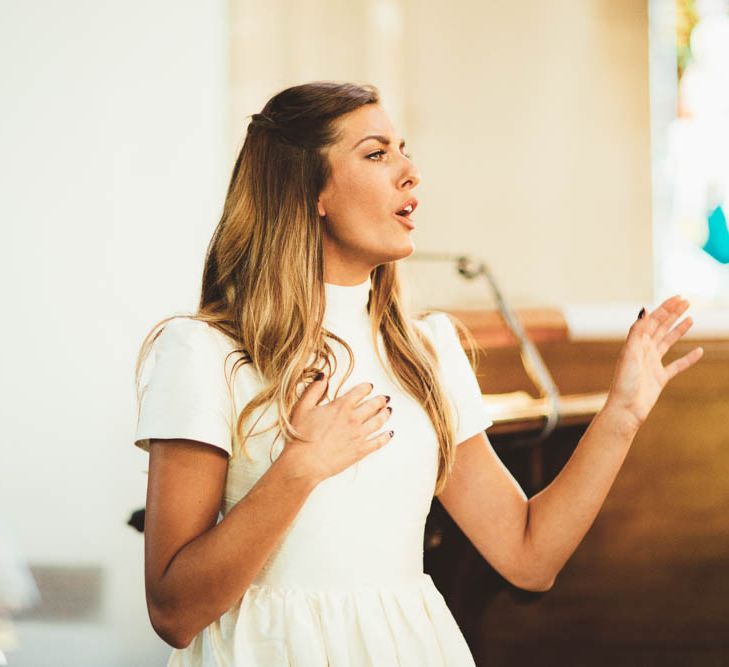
<point>410,175</point>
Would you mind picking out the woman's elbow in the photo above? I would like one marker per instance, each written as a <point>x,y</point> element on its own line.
<point>534,575</point>
<point>542,586</point>
<point>535,583</point>
<point>167,630</point>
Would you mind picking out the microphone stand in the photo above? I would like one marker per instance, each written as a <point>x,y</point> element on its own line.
<point>536,369</point>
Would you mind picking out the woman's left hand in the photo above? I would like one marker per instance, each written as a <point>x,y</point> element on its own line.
<point>640,376</point>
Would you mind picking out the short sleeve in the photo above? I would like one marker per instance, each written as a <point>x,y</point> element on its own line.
<point>458,379</point>
<point>184,393</point>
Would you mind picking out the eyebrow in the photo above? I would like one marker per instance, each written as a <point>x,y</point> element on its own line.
<point>380,138</point>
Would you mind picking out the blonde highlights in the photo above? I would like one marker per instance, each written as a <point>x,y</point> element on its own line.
<point>263,278</point>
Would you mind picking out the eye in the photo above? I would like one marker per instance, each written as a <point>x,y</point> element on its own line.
<point>409,156</point>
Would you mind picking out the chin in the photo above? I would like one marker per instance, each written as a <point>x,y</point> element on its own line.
<point>402,252</point>
<point>392,253</point>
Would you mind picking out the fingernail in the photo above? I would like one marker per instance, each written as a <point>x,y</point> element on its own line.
<point>319,376</point>
<point>387,398</point>
<point>392,433</point>
<point>641,313</point>
<point>390,409</point>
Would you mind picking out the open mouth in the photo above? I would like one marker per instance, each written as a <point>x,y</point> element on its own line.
<point>405,214</point>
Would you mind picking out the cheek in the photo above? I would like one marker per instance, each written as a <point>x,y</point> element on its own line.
<point>360,192</point>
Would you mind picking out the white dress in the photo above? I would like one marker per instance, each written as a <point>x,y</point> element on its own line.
<point>345,587</point>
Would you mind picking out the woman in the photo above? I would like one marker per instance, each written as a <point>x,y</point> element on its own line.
<point>324,474</point>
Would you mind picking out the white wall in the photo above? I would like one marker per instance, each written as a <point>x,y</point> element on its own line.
<point>530,121</point>
<point>114,167</point>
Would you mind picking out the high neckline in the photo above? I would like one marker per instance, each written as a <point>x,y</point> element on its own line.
<point>347,301</point>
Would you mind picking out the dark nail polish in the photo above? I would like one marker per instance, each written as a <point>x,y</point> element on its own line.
<point>319,376</point>
<point>387,398</point>
<point>392,433</point>
<point>641,313</point>
<point>390,409</point>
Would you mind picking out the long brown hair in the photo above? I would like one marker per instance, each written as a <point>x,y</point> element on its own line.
<point>263,279</point>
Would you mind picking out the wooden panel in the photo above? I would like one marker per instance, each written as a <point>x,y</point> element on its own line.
<point>491,331</point>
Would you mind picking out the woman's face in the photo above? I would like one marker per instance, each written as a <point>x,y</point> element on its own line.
<point>371,179</point>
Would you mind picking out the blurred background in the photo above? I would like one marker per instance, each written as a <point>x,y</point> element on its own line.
<point>579,147</point>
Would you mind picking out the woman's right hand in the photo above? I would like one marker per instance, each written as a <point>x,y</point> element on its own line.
<point>338,432</point>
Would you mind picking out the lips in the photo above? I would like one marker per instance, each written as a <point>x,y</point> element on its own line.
<point>404,212</point>
<point>407,207</point>
<point>405,220</point>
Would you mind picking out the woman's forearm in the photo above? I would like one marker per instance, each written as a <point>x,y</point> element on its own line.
<point>560,515</point>
<point>211,573</point>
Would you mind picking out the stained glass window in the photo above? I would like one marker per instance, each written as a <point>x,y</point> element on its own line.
<point>689,48</point>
